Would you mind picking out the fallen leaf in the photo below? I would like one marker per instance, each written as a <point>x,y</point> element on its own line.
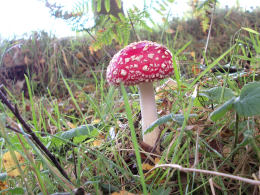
<point>71,125</point>
<point>10,165</point>
<point>169,84</point>
<point>97,142</point>
<point>195,69</point>
<point>157,161</point>
<point>3,186</point>
<point>89,88</point>
<point>163,90</point>
<point>27,60</point>
<point>226,133</point>
<point>80,55</point>
<point>226,150</point>
<point>147,167</point>
<point>96,121</point>
<point>123,192</point>
<point>91,49</point>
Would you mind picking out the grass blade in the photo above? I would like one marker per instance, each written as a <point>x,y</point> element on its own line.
<point>134,139</point>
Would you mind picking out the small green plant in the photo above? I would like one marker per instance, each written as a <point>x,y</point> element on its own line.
<point>247,104</point>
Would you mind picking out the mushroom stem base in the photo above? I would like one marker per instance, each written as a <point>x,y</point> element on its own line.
<point>149,112</point>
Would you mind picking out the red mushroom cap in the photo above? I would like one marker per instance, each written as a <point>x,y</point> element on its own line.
<point>143,61</point>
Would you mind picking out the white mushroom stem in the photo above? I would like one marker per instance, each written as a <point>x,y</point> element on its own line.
<point>149,112</point>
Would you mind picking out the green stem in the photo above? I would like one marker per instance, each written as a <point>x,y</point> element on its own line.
<point>236,131</point>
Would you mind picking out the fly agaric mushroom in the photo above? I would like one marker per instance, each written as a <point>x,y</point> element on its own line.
<point>142,63</point>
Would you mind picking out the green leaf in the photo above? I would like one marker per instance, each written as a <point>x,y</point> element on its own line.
<point>251,30</point>
<point>122,17</point>
<point>214,93</point>
<point>248,103</point>
<point>3,176</point>
<point>113,18</point>
<point>79,131</point>
<point>98,5</point>
<point>118,2</point>
<point>221,111</point>
<point>107,5</point>
<point>201,100</point>
<point>179,118</point>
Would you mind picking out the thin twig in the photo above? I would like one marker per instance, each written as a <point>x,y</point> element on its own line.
<point>132,25</point>
<point>255,177</point>
<point>142,152</point>
<point>107,53</point>
<point>196,161</point>
<point>212,186</point>
<point>28,130</point>
<point>209,32</point>
<point>179,167</point>
<point>17,131</point>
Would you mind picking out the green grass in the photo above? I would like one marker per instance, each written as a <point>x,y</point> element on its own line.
<point>101,163</point>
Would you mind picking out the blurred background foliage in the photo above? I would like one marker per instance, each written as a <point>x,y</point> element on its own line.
<point>113,28</point>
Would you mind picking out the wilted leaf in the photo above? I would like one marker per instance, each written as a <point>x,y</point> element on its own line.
<point>10,165</point>
<point>248,103</point>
